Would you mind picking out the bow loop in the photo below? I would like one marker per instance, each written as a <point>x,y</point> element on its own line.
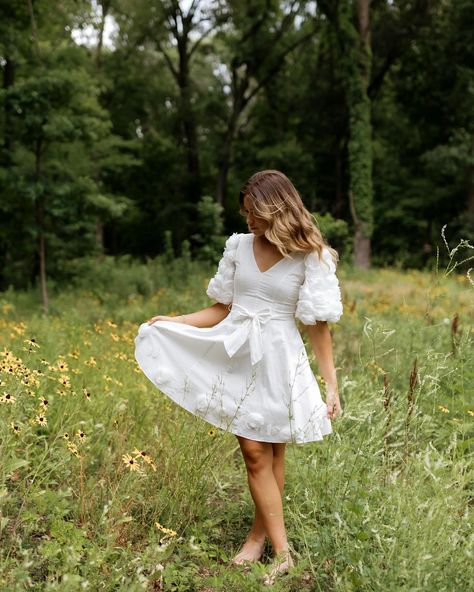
<point>249,330</point>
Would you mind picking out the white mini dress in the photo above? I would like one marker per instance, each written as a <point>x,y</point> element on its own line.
<point>250,374</point>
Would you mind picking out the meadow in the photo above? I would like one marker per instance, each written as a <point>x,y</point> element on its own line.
<point>107,485</point>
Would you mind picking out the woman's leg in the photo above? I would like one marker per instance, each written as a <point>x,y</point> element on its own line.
<point>257,532</point>
<point>265,464</point>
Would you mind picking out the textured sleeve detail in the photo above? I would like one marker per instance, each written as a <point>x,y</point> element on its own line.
<point>320,296</point>
<point>221,286</point>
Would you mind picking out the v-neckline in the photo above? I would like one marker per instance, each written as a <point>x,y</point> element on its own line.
<point>252,236</point>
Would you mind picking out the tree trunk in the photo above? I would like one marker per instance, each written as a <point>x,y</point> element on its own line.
<point>358,64</point>
<point>226,155</point>
<point>193,181</point>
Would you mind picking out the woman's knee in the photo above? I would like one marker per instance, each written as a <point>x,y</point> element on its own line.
<point>258,456</point>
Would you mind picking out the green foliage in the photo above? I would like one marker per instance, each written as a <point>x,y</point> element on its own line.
<point>209,238</point>
<point>336,233</point>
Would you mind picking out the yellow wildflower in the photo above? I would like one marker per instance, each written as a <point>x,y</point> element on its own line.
<point>443,408</point>
<point>167,531</point>
<point>41,420</point>
<point>131,462</point>
<point>16,428</point>
<point>64,380</point>
<point>7,398</point>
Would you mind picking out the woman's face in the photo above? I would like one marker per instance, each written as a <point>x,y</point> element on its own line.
<point>256,225</point>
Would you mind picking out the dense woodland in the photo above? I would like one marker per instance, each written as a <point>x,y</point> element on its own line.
<point>129,125</point>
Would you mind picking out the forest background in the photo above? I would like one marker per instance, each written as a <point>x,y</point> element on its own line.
<point>128,127</point>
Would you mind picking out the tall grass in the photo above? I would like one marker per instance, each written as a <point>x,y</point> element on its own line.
<point>117,488</point>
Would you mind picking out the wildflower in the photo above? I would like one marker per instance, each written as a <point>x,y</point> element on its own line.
<point>31,342</point>
<point>115,337</point>
<point>81,435</point>
<point>61,392</point>
<point>167,531</point>
<point>44,402</point>
<point>72,448</point>
<point>145,456</point>
<point>16,428</point>
<point>91,361</point>
<point>62,366</point>
<point>41,420</point>
<point>111,324</point>
<point>64,380</point>
<point>211,432</point>
<point>87,394</point>
<point>470,412</point>
<point>7,398</point>
<point>66,435</point>
<point>131,462</point>
<point>74,354</point>
<point>443,408</point>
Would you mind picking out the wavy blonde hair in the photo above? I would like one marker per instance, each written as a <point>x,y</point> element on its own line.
<point>291,229</point>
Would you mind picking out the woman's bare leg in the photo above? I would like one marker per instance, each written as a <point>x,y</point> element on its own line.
<point>265,463</point>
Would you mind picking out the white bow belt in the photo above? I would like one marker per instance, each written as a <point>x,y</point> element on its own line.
<point>250,330</point>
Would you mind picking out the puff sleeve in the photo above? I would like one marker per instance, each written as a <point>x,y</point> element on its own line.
<point>221,286</point>
<point>319,297</point>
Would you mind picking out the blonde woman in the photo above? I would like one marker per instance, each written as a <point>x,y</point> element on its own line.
<point>241,363</point>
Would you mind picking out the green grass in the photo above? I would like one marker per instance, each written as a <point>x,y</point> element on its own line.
<point>384,503</point>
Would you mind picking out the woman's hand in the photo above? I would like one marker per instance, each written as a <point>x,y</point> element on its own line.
<point>179,319</point>
<point>333,403</point>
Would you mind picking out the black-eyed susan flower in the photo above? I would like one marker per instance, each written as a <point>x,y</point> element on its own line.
<point>15,427</point>
<point>81,435</point>
<point>74,354</point>
<point>443,408</point>
<point>470,412</point>
<point>211,432</point>
<point>44,402</point>
<point>64,380</point>
<point>7,398</point>
<point>41,420</point>
<point>91,361</point>
<point>66,435</point>
<point>131,462</point>
<point>31,342</point>
<point>73,448</point>
<point>61,392</point>
<point>86,394</point>
<point>145,456</point>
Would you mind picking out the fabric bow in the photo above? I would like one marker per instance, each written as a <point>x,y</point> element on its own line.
<point>250,330</point>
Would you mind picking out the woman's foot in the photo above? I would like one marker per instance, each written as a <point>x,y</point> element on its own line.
<point>280,564</point>
<point>251,550</point>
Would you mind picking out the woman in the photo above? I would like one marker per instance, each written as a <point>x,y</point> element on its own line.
<point>241,363</point>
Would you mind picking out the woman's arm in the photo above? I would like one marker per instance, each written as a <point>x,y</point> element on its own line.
<point>321,343</point>
<point>207,317</point>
